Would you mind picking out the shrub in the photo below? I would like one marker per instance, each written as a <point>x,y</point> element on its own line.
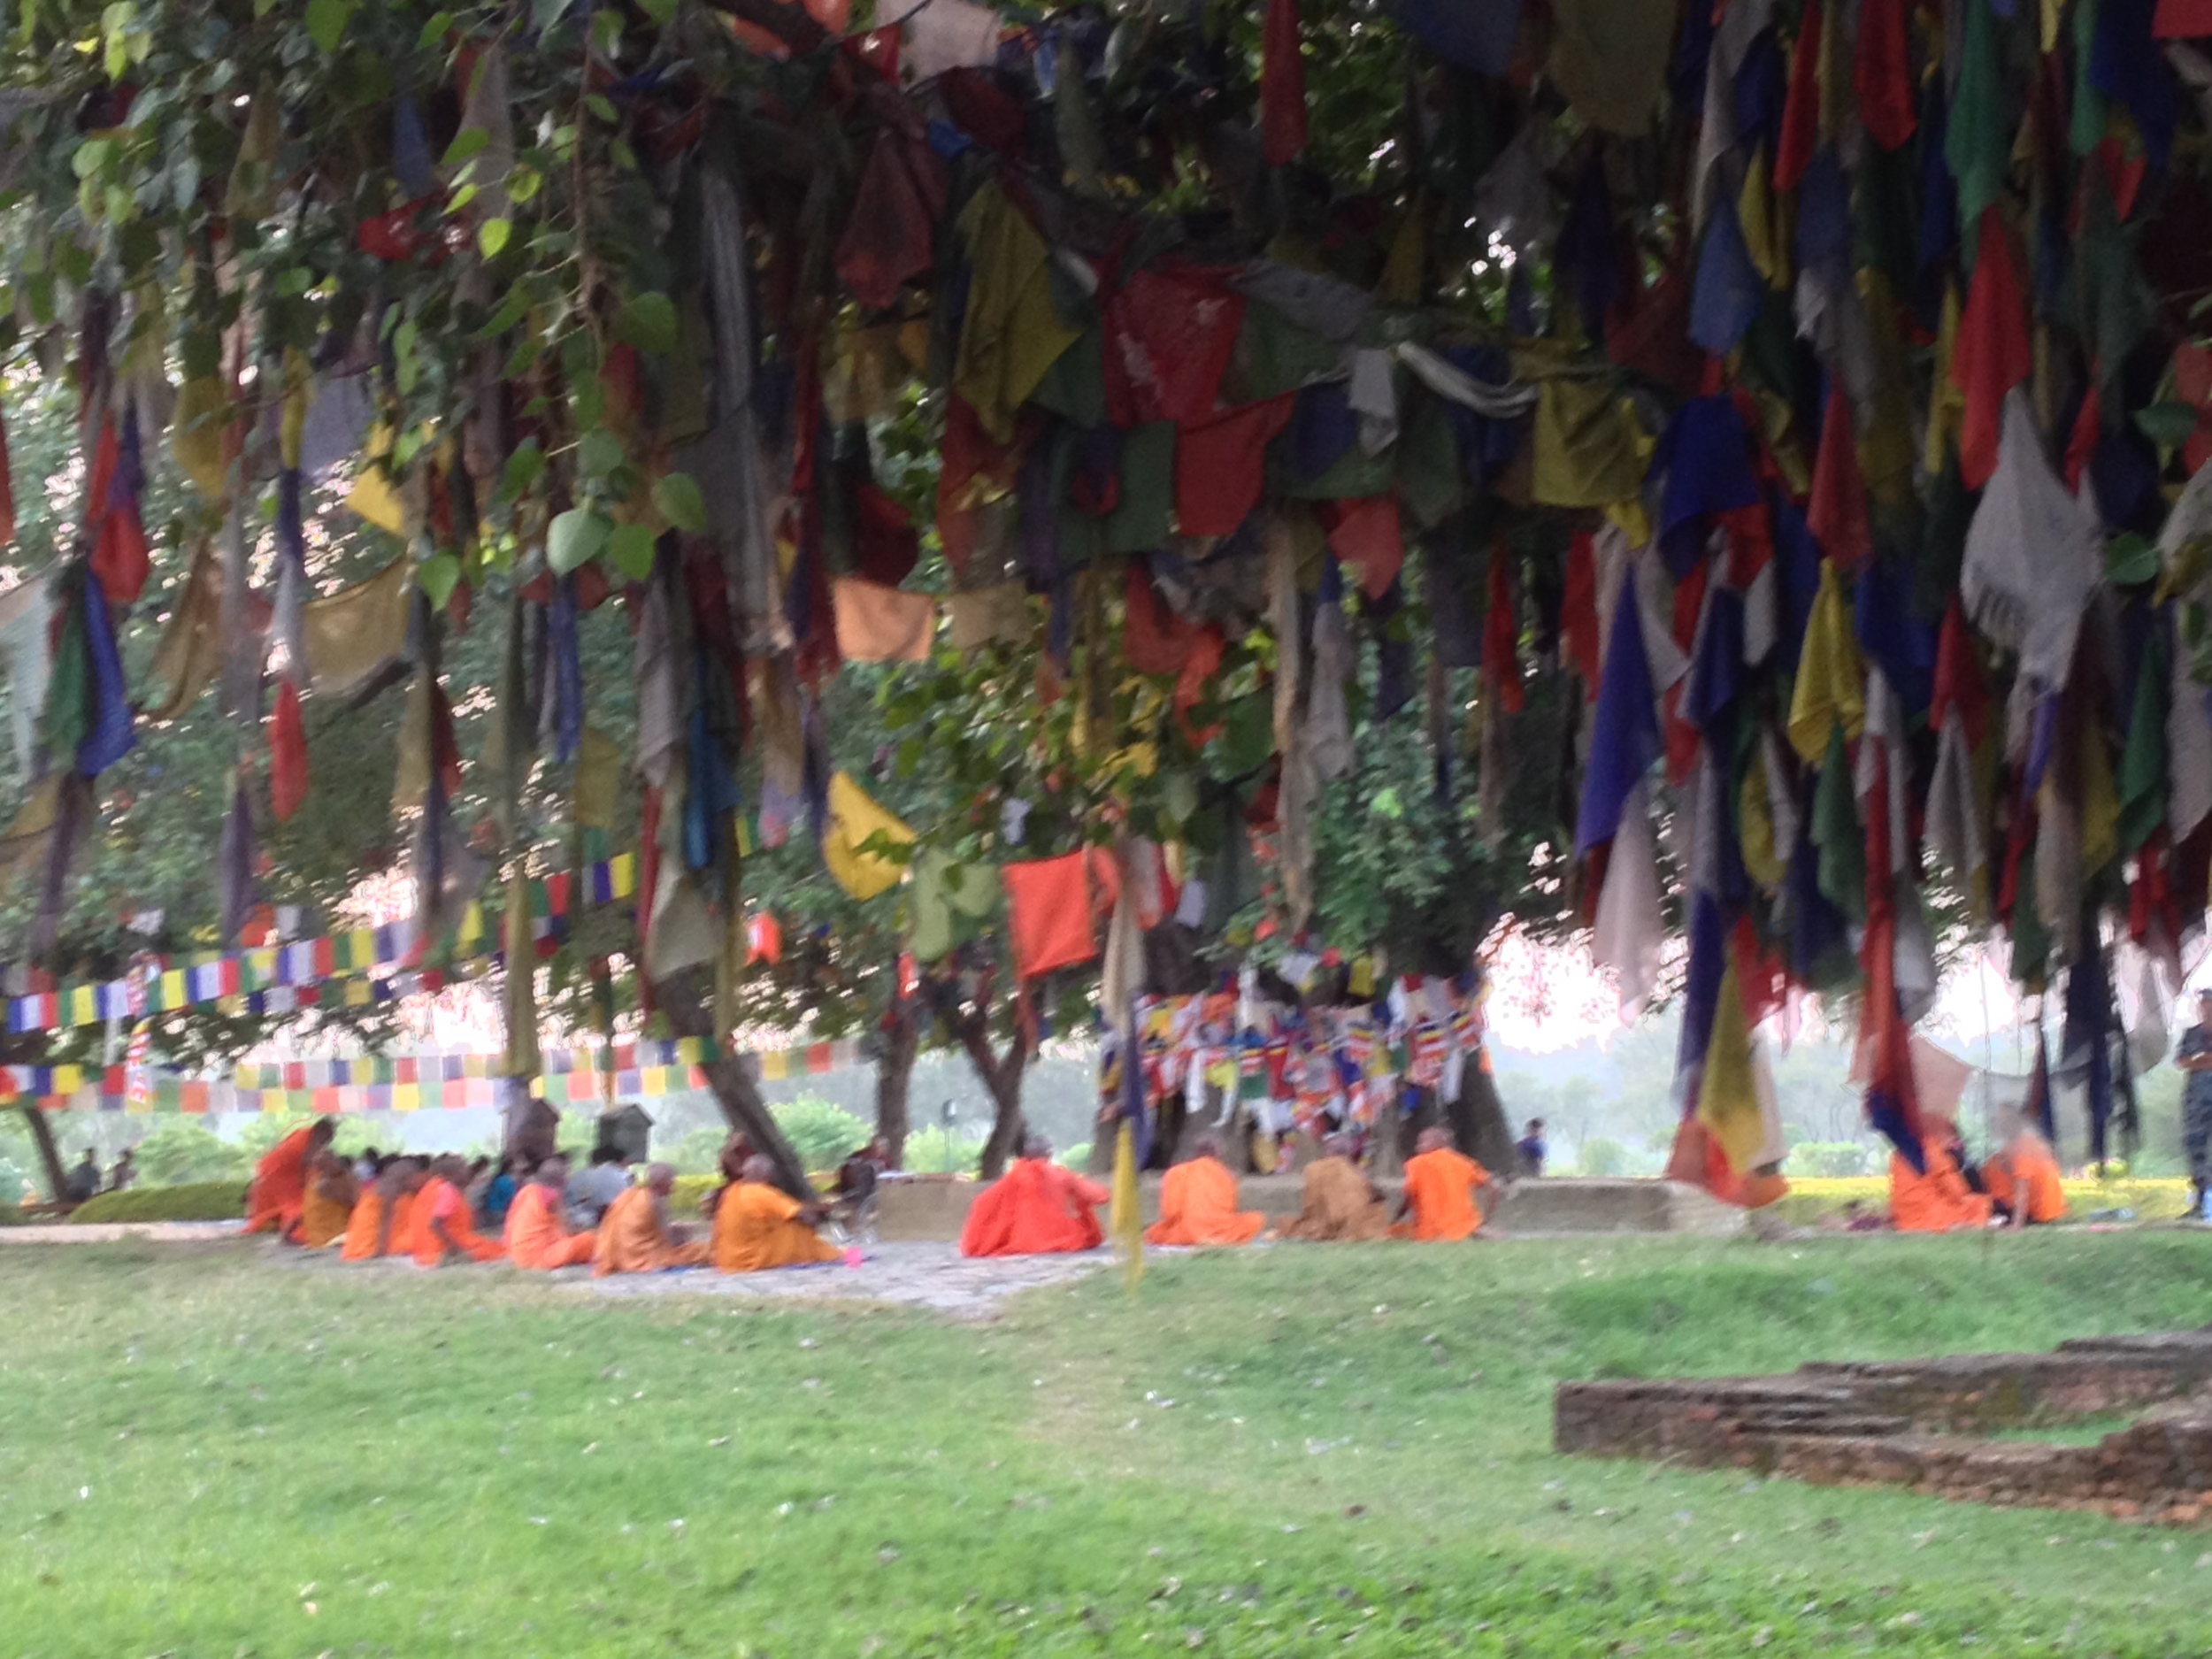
<point>179,1152</point>
<point>1829,1159</point>
<point>933,1152</point>
<point>1076,1158</point>
<point>1601,1156</point>
<point>198,1200</point>
<point>820,1133</point>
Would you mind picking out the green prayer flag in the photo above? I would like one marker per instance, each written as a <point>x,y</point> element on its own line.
<point>1836,832</point>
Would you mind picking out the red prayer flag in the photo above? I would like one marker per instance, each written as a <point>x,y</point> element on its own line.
<point>7,490</point>
<point>1366,533</point>
<point>1994,353</point>
<point>1579,613</point>
<point>1883,77</point>
<point>1282,85</point>
<point>1501,635</point>
<point>288,754</point>
<point>1800,115</point>
<point>1836,514</point>
<point>2180,19</point>
<point>1048,913</point>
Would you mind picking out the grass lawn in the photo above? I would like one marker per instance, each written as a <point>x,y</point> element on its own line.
<point>205,1451</point>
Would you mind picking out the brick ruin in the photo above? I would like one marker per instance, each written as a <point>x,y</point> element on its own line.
<point>1922,1425</point>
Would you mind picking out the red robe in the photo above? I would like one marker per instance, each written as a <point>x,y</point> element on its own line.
<point>278,1192</point>
<point>1038,1209</point>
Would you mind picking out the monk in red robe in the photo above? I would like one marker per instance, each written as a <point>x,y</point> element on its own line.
<point>443,1224</point>
<point>2024,1178</point>
<point>537,1223</point>
<point>1198,1203</point>
<point>278,1192</point>
<point>1938,1198</point>
<point>1439,1191</point>
<point>1036,1208</point>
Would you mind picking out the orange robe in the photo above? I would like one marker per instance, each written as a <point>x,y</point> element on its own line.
<point>279,1191</point>
<point>538,1236</point>
<point>1337,1205</point>
<point>1198,1205</point>
<point>1036,1208</point>
<point>427,1249</point>
<point>757,1227</point>
<point>632,1240</point>
<point>1441,1187</point>
<point>1935,1202</point>
<point>365,1224</point>
<point>324,1220</point>
<point>2026,1176</point>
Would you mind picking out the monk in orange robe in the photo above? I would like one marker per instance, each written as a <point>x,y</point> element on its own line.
<point>441,1224</point>
<point>1198,1203</point>
<point>634,1236</point>
<point>379,1224</point>
<point>1937,1199</point>
<point>1035,1209</point>
<point>2024,1178</point>
<point>537,1225</point>
<point>278,1192</point>
<point>1338,1204</point>
<point>1440,1191</point>
<point>757,1225</point>
<point>331,1197</point>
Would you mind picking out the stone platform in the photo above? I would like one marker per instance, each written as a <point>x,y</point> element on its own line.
<point>930,1209</point>
<point>1925,1425</point>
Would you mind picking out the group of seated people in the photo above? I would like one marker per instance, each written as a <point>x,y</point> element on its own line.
<point>2018,1184</point>
<point>1039,1208</point>
<point>421,1208</point>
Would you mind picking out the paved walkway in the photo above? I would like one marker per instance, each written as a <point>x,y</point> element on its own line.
<point>109,1232</point>
<point>935,1277</point>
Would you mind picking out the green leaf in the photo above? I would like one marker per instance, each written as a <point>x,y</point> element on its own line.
<point>574,540</point>
<point>436,577</point>
<point>659,10</point>
<point>466,143</point>
<point>440,23</point>
<point>606,33</point>
<point>492,234</point>
<point>2130,560</point>
<point>524,468</point>
<point>510,312</point>
<point>598,104</point>
<point>523,182</point>
<point>326,21</point>
<point>677,497</point>
<point>598,452</point>
<point>2167,424</point>
<point>647,321</point>
<point>630,550</point>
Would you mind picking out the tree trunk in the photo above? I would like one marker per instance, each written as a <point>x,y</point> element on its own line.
<point>532,1125</point>
<point>49,1153</point>
<point>1477,1119</point>
<point>894,1078</point>
<point>688,998</point>
<point>1001,1075</point>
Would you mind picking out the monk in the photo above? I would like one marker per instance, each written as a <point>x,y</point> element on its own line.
<point>757,1225</point>
<point>1198,1203</point>
<point>537,1223</point>
<point>1338,1202</point>
<point>378,1225</point>
<point>634,1236</point>
<point>331,1196</point>
<point>1439,1195</point>
<point>2024,1179</point>
<point>1937,1199</point>
<point>443,1224</point>
<point>278,1192</point>
<point>1035,1209</point>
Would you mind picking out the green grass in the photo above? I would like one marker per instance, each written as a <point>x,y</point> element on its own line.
<point>213,1450</point>
<point>193,1201</point>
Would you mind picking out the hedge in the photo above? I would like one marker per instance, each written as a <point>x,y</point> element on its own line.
<point>2152,1200</point>
<point>195,1201</point>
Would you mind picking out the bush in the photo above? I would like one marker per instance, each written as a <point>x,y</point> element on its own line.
<point>699,1152</point>
<point>933,1152</point>
<point>820,1133</point>
<point>1829,1159</point>
<point>1076,1158</point>
<point>181,1152</point>
<point>1603,1157</point>
<point>199,1201</point>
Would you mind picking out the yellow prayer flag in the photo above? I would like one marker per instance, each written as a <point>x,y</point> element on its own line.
<point>1126,1215</point>
<point>1728,1094</point>
<point>855,817</point>
<point>1829,688</point>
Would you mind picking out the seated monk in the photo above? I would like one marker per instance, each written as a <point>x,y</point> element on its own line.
<point>278,1192</point>
<point>2024,1180</point>
<point>331,1196</point>
<point>378,1225</point>
<point>1937,1199</point>
<point>1198,1203</point>
<point>537,1223</point>
<point>1439,1195</point>
<point>757,1225</point>
<point>634,1236</point>
<point>442,1221</point>
<point>1338,1202</point>
<point>1035,1209</point>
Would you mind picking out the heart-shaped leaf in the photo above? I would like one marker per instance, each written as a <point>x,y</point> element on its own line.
<point>574,539</point>
<point>677,497</point>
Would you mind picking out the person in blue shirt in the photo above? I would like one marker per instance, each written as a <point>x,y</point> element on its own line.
<point>1530,1147</point>
<point>499,1194</point>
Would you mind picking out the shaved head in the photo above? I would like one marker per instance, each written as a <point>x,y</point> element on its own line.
<point>660,1177</point>
<point>1036,1146</point>
<point>554,1171</point>
<point>1435,1139</point>
<point>759,1168</point>
<point>1206,1147</point>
